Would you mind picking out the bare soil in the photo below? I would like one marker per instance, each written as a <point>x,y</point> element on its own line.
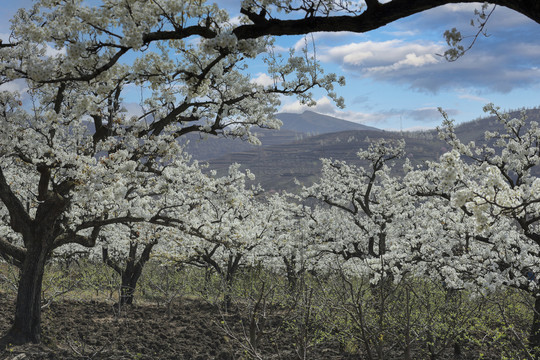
<point>97,330</point>
<point>194,330</point>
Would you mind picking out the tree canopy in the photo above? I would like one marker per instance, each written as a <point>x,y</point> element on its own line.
<point>74,161</point>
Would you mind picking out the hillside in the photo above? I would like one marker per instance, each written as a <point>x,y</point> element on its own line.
<point>474,130</point>
<point>295,127</point>
<point>276,166</point>
<point>313,123</point>
<point>213,146</point>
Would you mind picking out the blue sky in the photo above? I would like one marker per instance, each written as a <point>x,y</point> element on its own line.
<point>395,77</point>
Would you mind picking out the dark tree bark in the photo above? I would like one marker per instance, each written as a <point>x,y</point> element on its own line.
<point>27,324</point>
<point>292,274</point>
<point>131,273</point>
<point>375,16</point>
<point>41,235</point>
<point>534,337</point>
<point>232,267</point>
<point>227,273</point>
<point>38,236</point>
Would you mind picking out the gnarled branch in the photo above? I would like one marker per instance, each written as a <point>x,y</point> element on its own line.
<point>11,250</point>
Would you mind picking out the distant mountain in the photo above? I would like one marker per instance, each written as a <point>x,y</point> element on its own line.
<point>317,124</point>
<point>474,130</point>
<point>210,147</point>
<point>277,166</point>
<point>295,127</point>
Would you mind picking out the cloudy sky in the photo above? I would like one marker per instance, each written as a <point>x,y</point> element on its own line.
<point>396,78</point>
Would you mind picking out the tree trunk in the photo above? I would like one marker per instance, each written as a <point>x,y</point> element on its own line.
<point>232,267</point>
<point>292,275</point>
<point>534,337</point>
<point>457,350</point>
<point>132,271</point>
<point>227,299</point>
<point>127,289</point>
<point>407,330</point>
<point>27,324</point>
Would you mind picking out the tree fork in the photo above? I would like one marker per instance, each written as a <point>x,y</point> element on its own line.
<point>133,269</point>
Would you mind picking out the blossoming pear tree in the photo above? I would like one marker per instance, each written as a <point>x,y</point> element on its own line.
<point>73,160</point>
<point>367,203</point>
<point>359,223</point>
<point>287,251</point>
<point>226,229</point>
<point>485,207</point>
<point>126,248</point>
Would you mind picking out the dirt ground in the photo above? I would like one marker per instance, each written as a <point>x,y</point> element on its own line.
<point>194,330</point>
<point>96,330</point>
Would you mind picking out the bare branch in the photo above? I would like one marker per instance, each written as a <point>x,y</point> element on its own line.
<point>11,250</point>
<point>375,17</point>
<point>74,238</point>
<point>107,260</point>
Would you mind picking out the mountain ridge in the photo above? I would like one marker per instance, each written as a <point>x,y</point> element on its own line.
<point>310,121</point>
<point>277,166</point>
<point>295,127</point>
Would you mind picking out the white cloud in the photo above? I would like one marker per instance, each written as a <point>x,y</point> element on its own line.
<point>325,106</point>
<point>404,33</point>
<point>356,58</point>
<point>377,56</point>
<point>495,65</point>
<point>278,49</point>
<point>411,60</point>
<point>263,80</point>
<point>237,20</point>
<point>467,95</point>
<point>302,43</point>
<point>18,86</point>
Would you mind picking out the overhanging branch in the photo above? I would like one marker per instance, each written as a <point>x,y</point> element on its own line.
<point>373,18</point>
